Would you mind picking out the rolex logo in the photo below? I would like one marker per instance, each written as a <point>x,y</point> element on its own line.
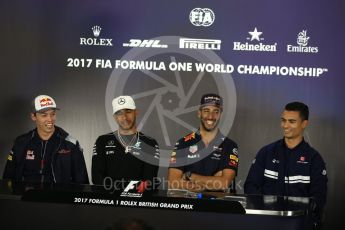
<point>96,41</point>
<point>96,30</point>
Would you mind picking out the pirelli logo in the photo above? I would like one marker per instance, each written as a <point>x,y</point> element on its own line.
<point>201,44</point>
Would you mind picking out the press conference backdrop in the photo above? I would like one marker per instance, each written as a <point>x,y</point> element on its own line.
<point>259,55</point>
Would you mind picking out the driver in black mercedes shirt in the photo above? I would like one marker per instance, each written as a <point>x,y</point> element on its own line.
<point>125,154</point>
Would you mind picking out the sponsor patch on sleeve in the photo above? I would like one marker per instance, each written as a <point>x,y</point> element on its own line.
<point>235,151</point>
<point>157,153</point>
<point>189,137</point>
<point>10,156</point>
<point>233,163</point>
<point>233,157</point>
<point>94,151</point>
<point>233,160</point>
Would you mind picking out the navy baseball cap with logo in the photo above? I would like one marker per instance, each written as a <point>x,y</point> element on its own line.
<point>211,99</point>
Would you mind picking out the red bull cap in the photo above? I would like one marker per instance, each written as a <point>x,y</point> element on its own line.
<point>42,103</point>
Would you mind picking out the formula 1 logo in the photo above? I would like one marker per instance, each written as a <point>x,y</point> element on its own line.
<point>201,17</point>
<point>134,189</point>
<point>131,185</point>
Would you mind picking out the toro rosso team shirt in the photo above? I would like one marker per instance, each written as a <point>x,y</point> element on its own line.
<point>59,159</point>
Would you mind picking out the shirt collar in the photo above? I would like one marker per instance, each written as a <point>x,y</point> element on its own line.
<point>297,147</point>
<point>35,137</point>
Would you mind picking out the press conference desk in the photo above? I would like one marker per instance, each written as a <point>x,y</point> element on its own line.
<point>25,206</point>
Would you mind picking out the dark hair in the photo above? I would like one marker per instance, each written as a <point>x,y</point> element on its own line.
<point>300,107</point>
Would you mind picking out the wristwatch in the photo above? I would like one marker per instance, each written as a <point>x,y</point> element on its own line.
<point>187,175</point>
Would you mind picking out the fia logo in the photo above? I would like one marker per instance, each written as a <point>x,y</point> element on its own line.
<point>201,17</point>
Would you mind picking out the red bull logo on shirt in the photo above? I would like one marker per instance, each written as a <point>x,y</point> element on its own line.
<point>189,137</point>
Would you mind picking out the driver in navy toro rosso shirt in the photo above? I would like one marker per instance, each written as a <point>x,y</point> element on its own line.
<point>47,153</point>
<point>205,159</point>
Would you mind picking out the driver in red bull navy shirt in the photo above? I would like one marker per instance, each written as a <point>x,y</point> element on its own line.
<point>205,159</point>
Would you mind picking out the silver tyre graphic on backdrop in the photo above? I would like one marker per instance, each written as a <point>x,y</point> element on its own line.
<point>168,100</point>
